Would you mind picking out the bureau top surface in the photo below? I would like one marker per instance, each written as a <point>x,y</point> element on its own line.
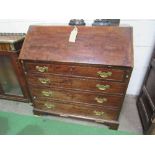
<point>93,45</point>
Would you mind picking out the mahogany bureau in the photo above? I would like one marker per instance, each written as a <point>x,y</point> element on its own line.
<point>86,79</point>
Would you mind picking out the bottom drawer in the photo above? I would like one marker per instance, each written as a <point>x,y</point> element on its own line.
<point>147,106</point>
<point>60,108</point>
<point>143,114</point>
<point>1,90</point>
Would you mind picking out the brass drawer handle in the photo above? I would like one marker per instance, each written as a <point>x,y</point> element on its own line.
<point>49,106</point>
<point>101,100</point>
<point>102,87</point>
<point>104,74</point>
<point>44,81</point>
<point>42,69</point>
<point>47,93</point>
<point>98,113</point>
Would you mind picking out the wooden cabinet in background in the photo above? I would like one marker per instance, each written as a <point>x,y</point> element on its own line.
<point>146,99</point>
<point>86,79</point>
<point>12,79</point>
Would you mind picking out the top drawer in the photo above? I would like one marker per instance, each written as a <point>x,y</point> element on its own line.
<point>107,73</point>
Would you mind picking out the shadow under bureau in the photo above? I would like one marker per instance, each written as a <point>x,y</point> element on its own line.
<point>86,79</point>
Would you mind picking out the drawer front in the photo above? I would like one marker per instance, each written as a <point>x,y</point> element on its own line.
<point>144,116</point>
<point>1,90</point>
<point>79,84</point>
<point>78,97</point>
<point>146,106</point>
<point>107,73</point>
<point>150,84</point>
<point>74,110</point>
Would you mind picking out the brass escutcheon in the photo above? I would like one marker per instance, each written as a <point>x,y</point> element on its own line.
<point>42,69</point>
<point>100,100</point>
<point>98,113</point>
<point>49,105</point>
<point>104,74</point>
<point>46,93</point>
<point>44,81</point>
<point>102,87</point>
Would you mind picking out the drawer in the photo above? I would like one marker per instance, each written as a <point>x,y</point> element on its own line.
<point>1,90</point>
<point>107,73</point>
<point>146,106</point>
<point>76,111</point>
<point>150,84</point>
<point>78,97</point>
<point>78,84</point>
<point>143,114</point>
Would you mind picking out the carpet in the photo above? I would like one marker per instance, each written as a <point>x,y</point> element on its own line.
<point>17,124</point>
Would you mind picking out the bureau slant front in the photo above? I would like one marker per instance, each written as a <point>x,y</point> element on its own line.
<point>86,79</point>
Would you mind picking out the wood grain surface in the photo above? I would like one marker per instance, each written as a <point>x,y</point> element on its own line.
<point>87,79</point>
<point>94,45</point>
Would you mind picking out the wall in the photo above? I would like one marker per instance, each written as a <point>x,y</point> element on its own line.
<point>144,39</point>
